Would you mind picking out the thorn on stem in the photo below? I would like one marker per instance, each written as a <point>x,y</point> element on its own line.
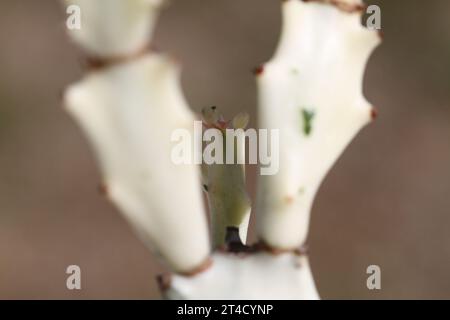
<point>258,70</point>
<point>103,189</point>
<point>164,282</point>
<point>373,113</point>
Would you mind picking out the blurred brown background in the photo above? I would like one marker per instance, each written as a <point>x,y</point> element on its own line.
<point>386,202</point>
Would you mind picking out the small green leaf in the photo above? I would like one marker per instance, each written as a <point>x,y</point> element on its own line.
<point>307,117</point>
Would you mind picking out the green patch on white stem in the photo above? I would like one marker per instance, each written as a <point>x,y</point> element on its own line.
<point>307,119</point>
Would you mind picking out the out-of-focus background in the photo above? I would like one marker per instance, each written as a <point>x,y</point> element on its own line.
<point>386,202</point>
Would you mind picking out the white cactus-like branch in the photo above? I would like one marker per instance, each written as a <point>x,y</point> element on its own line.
<point>113,29</point>
<point>129,106</point>
<point>129,111</point>
<point>311,91</point>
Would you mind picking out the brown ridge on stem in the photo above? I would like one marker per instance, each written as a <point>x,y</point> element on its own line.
<point>349,8</point>
<point>262,246</point>
<point>96,63</point>
<point>201,268</point>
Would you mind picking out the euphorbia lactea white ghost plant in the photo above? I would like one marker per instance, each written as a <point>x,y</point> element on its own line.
<point>131,102</point>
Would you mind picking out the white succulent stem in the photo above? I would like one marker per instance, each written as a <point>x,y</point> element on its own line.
<point>115,28</point>
<point>129,112</point>
<point>311,91</point>
<point>256,276</point>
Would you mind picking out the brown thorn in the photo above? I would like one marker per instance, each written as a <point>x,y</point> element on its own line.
<point>258,70</point>
<point>373,113</point>
<point>103,189</point>
<point>164,282</point>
